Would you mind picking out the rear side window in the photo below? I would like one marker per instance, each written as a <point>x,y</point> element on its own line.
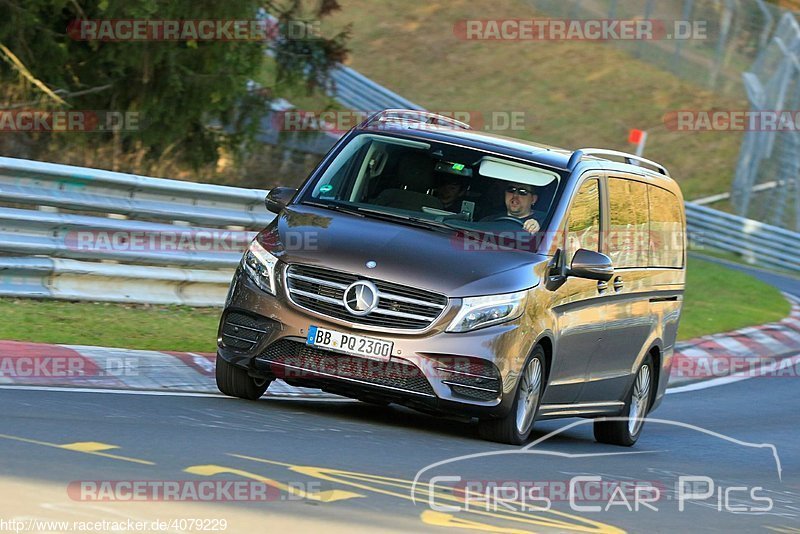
<point>666,229</point>
<point>628,235</point>
<point>583,230</point>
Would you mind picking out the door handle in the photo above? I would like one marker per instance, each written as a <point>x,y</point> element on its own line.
<point>618,284</point>
<point>602,286</point>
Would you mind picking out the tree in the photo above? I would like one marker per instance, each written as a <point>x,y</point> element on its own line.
<point>179,88</point>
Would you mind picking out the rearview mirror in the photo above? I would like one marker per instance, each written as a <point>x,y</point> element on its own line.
<point>278,198</point>
<point>591,265</point>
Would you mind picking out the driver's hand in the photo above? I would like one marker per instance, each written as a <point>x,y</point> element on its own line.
<point>531,226</point>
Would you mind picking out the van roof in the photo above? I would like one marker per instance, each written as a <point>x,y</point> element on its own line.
<point>443,129</point>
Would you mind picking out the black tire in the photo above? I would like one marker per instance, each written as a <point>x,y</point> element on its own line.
<point>623,431</point>
<point>506,429</point>
<point>235,382</point>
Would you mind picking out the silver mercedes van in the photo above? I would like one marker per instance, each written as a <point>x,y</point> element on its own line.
<point>457,272</point>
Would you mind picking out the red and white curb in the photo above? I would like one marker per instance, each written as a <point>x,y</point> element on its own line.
<point>754,351</point>
<point>747,352</point>
<point>78,366</point>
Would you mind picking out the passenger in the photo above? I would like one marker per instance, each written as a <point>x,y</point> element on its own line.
<point>451,192</point>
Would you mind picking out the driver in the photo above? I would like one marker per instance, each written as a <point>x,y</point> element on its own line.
<point>520,199</point>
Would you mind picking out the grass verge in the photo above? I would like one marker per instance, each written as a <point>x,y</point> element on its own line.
<point>110,325</point>
<point>740,259</point>
<point>717,300</point>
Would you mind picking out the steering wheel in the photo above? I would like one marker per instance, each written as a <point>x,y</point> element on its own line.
<point>510,219</point>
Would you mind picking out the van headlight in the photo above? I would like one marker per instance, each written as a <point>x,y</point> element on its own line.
<point>260,266</point>
<point>477,312</point>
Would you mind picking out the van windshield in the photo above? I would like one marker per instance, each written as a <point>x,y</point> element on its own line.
<point>438,185</point>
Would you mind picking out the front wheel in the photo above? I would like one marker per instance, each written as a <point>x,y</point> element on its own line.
<point>516,427</point>
<point>626,430</point>
<point>235,382</point>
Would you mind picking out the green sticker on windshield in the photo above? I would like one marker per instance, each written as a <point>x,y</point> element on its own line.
<point>458,166</point>
<point>326,188</point>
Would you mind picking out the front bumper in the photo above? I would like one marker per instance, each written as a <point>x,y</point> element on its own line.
<point>431,370</point>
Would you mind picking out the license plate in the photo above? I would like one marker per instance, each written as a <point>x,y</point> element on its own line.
<point>349,343</point>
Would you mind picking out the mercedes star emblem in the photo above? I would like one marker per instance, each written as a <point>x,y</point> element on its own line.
<point>361,297</point>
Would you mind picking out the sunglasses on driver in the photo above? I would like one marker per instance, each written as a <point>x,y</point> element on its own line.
<point>521,191</point>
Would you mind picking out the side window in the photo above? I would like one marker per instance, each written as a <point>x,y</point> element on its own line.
<point>583,223</point>
<point>666,229</point>
<point>628,240</point>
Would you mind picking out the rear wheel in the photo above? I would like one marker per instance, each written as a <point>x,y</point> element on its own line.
<point>235,382</point>
<point>626,431</point>
<point>516,427</point>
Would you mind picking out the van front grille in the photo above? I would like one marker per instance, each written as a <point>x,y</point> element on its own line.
<point>399,307</point>
<point>296,360</point>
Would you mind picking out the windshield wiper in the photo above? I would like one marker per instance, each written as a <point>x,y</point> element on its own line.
<point>335,207</point>
<point>416,221</point>
<point>360,211</point>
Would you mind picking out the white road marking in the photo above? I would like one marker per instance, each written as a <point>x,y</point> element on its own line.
<point>161,393</point>
<point>763,369</point>
<point>115,391</point>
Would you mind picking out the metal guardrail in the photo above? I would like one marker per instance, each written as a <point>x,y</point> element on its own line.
<point>755,241</point>
<point>91,190</point>
<point>76,280</point>
<point>29,232</point>
<point>79,242</point>
<point>87,234</point>
<point>358,92</point>
<point>352,90</point>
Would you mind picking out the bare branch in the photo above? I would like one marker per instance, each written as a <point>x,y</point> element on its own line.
<point>14,61</point>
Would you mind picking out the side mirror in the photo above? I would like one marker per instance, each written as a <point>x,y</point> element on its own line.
<point>278,198</point>
<point>591,265</point>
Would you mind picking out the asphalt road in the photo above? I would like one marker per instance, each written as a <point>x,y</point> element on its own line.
<point>360,461</point>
